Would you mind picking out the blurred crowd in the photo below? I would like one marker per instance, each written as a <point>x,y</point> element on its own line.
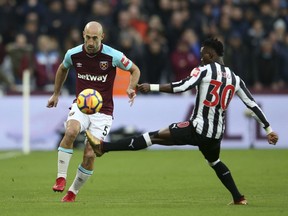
<point>163,37</point>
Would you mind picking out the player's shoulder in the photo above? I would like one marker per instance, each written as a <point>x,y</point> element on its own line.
<point>206,67</point>
<point>199,69</point>
<point>74,50</point>
<point>216,69</point>
<point>108,50</point>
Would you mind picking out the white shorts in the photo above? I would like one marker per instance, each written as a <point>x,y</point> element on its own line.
<point>99,124</point>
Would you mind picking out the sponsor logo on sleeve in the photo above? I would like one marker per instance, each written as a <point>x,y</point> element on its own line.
<point>125,61</point>
<point>195,72</point>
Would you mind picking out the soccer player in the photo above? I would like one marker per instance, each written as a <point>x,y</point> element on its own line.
<point>95,64</point>
<point>216,84</point>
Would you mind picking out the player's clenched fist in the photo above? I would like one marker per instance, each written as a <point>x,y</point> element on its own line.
<point>272,138</point>
<point>144,87</point>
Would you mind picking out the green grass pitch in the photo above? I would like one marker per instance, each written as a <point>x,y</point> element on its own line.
<point>154,182</point>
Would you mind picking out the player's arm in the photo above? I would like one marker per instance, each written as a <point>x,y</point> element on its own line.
<point>134,79</point>
<point>146,87</point>
<point>60,78</point>
<point>256,112</point>
<point>174,87</point>
<point>121,61</point>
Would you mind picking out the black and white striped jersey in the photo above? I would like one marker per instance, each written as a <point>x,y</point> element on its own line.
<point>216,85</point>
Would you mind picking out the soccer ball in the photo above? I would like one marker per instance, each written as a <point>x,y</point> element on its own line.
<point>89,101</point>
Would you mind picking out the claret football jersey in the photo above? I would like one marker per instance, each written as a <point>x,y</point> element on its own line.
<point>97,71</point>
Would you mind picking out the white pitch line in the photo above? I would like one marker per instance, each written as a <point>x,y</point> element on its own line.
<point>9,155</point>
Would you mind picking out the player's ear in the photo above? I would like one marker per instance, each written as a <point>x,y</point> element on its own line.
<point>102,36</point>
<point>211,55</point>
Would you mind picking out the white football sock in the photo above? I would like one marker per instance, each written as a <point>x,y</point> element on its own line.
<point>81,177</point>
<point>147,139</point>
<point>64,156</point>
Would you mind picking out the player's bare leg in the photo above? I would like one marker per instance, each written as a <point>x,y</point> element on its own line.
<point>162,137</point>
<point>65,152</point>
<point>95,143</point>
<point>84,171</point>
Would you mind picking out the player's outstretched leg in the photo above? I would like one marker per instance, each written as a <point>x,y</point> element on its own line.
<point>126,144</point>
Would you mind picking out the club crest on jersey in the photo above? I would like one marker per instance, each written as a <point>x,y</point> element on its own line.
<point>78,64</point>
<point>125,61</point>
<point>103,65</point>
<point>195,72</point>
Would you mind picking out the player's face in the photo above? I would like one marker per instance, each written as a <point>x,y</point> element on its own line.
<point>92,41</point>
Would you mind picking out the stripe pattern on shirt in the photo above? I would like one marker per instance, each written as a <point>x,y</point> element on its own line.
<point>216,85</point>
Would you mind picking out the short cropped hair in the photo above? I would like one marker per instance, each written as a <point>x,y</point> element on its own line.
<point>214,44</point>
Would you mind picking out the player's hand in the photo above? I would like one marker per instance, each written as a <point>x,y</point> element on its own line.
<point>272,138</point>
<point>53,101</point>
<point>144,87</point>
<point>131,94</point>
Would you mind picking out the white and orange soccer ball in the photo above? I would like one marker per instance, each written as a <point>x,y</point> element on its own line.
<point>89,101</point>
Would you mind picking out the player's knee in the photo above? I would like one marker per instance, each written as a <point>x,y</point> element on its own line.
<point>89,156</point>
<point>71,133</point>
<point>153,134</point>
<point>213,163</point>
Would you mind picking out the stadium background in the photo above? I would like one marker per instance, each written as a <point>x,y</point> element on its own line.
<point>144,183</point>
<point>162,37</point>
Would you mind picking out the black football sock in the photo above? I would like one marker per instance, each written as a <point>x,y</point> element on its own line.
<point>130,144</point>
<point>226,178</point>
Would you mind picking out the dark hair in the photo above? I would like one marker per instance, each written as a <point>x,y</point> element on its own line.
<point>215,44</point>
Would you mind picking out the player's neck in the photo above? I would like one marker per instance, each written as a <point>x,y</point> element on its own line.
<point>220,60</point>
<point>94,52</point>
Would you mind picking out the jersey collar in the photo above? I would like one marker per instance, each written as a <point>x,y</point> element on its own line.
<point>93,55</point>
